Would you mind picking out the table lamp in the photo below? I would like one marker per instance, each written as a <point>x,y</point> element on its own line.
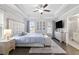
<point>7,33</point>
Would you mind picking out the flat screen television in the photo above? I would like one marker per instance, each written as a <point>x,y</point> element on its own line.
<point>59,24</point>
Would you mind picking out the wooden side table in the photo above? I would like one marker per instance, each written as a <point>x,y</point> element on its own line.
<point>6,46</point>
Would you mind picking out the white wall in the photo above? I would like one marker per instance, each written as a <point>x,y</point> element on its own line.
<point>67,15</point>
<point>18,22</point>
<point>12,16</point>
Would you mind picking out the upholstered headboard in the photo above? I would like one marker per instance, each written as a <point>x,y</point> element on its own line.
<point>16,26</point>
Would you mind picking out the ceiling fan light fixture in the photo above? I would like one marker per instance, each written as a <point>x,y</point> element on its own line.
<point>41,8</point>
<point>40,11</point>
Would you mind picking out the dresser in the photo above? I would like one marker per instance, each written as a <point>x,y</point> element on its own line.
<point>6,46</point>
<point>60,36</point>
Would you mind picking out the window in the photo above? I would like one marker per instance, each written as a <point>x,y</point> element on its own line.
<point>40,26</point>
<point>49,27</point>
<point>1,24</point>
<point>32,26</point>
<point>16,27</point>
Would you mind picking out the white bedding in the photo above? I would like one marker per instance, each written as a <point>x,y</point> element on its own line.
<point>30,38</point>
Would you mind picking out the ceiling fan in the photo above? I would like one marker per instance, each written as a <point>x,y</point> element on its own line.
<point>41,8</point>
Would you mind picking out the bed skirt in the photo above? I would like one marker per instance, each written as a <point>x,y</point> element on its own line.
<point>30,45</point>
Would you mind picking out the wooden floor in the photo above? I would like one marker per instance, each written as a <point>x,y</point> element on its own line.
<point>69,49</point>
<point>25,51</point>
<point>20,51</point>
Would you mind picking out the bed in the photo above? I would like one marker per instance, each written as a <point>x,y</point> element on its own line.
<point>30,40</point>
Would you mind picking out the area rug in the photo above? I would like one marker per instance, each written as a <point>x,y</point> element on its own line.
<point>53,49</point>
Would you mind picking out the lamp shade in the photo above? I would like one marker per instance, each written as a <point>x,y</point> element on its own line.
<point>7,32</point>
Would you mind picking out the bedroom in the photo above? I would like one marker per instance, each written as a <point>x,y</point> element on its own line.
<point>29,29</point>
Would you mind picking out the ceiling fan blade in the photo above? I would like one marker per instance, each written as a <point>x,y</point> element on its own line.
<point>45,5</point>
<point>47,10</point>
<point>35,11</point>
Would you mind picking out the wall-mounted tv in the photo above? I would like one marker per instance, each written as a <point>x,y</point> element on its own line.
<point>59,24</point>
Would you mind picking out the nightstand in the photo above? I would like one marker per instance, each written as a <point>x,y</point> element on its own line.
<point>6,46</point>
